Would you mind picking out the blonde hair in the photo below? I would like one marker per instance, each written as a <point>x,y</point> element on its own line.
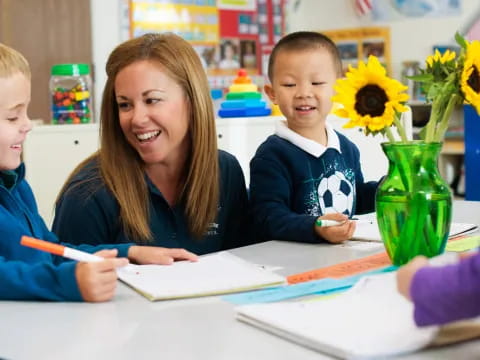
<point>11,62</point>
<point>121,167</point>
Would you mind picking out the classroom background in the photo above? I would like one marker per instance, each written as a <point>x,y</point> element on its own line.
<point>228,35</point>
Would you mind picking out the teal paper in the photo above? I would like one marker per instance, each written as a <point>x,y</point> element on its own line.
<point>315,287</point>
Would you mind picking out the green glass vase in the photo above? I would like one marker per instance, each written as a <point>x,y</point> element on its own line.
<point>413,202</point>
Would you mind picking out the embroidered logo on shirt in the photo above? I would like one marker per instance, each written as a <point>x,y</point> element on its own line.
<point>212,229</point>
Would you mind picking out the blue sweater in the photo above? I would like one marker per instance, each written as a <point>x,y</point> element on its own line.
<point>25,273</point>
<point>88,211</point>
<point>290,187</point>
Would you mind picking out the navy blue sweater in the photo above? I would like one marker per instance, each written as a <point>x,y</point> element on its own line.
<point>290,188</point>
<point>88,212</point>
<point>26,273</point>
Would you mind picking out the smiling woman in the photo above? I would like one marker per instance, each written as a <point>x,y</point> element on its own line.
<point>158,177</point>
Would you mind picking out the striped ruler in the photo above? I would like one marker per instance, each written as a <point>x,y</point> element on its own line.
<point>343,269</point>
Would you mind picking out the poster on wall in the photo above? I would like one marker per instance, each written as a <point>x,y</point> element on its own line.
<point>400,9</point>
<point>245,5</point>
<point>229,54</point>
<point>226,34</point>
<point>248,54</point>
<point>196,23</point>
<point>359,43</point>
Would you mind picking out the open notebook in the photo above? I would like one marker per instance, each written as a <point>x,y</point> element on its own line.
<point>367,228</point>
<point>371,320</point>
<point>214,274</point>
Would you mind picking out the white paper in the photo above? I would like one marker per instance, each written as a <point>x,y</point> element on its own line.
<point>217,273</point>
<point>370,320</point>
<point>367,228</point>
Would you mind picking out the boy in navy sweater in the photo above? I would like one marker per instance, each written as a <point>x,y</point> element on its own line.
<point>306,171</point>
<point>29,274</point>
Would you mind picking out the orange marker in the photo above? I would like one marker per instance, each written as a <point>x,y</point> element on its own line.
<point>59,249</point>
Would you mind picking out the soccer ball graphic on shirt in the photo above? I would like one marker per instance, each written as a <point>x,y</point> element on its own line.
<point>335,194</point>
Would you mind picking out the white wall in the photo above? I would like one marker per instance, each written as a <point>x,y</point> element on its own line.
<point>411,39</point>
<point>106,34</point>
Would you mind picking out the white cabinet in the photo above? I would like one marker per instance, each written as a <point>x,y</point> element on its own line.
<point>373,161</point>
<point>242,136</point>
<point>50,153</point>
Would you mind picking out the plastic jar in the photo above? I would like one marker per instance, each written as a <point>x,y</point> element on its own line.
<point>70,93</point>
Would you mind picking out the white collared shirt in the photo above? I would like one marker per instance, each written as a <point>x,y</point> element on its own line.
<point>310,146</point>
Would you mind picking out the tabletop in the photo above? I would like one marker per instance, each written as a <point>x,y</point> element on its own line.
<point>131,327</point>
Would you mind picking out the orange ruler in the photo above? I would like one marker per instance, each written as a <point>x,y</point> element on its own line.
<point>343,269</point>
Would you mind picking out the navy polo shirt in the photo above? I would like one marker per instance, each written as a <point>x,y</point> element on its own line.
<point>89,213</point>
<point>294,180</point>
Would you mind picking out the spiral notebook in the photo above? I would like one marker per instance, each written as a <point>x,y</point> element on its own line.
<point>213,274</point>
<point>367,229</point>
<point>372,320</point>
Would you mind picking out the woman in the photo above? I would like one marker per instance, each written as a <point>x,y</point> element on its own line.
<point>158,177</point>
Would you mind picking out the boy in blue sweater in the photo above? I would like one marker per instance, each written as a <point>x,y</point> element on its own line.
<point>29,274</point>
<point>306,171</point>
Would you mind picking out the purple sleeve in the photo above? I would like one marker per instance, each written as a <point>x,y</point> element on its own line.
<point>449,293</point>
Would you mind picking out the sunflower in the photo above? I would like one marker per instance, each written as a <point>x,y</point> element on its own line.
<point>439,58</point>
<point>470,78</point>
<point>369,97</point>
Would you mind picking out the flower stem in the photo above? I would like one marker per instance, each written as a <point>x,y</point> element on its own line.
<point>443,126</point>
<point>388,132</point>
<point>400,129</point>
<point>432,122</point>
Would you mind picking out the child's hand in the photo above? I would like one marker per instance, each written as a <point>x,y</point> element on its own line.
<point>406,273</point>
<point>158,255</point>
<point>97,280</point>
<point>339,233</point>
<point>466,255</point>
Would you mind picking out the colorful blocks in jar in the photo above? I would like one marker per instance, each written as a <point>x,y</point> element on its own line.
<point>70,89</point>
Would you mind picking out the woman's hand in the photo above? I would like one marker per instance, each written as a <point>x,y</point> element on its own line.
<point>406,273</point>
<point>338,233</point>
<point>158,255</point>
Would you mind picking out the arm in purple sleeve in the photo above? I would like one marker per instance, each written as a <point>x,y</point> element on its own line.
<point>446,294</point>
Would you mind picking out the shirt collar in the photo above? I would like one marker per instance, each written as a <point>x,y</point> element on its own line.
<point>307,145</point>
<point>8,179</point>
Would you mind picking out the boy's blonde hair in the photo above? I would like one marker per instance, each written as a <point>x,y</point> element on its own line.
<point>11,62</point>
<point>301,41</point>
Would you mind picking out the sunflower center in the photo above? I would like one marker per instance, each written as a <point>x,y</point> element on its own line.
<point>370,100</point>
<point>474,80</point>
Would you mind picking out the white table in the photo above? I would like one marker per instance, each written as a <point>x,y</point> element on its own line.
<point>131,327</point>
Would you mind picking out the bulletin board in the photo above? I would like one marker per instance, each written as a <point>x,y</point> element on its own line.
<point>358,43</point>
<point>196,23</point>
<point>227,34</point>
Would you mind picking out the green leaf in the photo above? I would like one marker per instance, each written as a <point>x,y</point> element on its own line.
<point>422,133</point>
<point>460,40</point>
<point>433,91</point>
<point>421,77</point>
<point>369,132</point>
